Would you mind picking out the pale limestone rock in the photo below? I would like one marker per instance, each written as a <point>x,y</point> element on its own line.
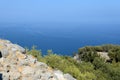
<point>19,48</point>
<point>28,71</point>
<point>59,75</point>
<point>6,76</point>
<point>104,55</point>
<point>68,77</point>
<point>15,65</point>
<point>4,52</point>
<point>31,59</point>
<point>19,55</point>
<point>6,47</point>
<point>40,65</point>
<point>14,75</point>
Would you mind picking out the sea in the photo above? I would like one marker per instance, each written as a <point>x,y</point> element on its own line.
<point>61,38</point>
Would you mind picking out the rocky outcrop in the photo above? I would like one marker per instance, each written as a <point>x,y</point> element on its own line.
<point>104,55</point>
<point>77,58</point>
<point>7,47</point>
<point>16,65</point>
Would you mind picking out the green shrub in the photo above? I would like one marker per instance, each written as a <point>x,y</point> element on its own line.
<point>92,67</point>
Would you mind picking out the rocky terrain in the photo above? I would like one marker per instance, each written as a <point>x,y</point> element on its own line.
<point>16,65</point>
<point>103,55</point>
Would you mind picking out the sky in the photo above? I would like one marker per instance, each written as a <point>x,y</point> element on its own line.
<point>64,11</point>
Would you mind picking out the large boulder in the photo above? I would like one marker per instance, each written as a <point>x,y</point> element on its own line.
<point>16,65</point>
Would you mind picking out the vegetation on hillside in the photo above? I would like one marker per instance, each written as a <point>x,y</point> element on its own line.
<point>89,53</point>
<point>92,66</point>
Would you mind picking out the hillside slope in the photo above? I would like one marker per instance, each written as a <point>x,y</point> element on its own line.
<point>16,65</point>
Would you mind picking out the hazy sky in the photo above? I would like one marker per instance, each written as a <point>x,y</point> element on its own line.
<point>84,11</point>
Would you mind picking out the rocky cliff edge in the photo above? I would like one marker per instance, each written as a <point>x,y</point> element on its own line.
<point>16,65</point>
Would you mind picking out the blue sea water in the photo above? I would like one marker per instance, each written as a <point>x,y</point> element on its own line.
<point>62,38</point>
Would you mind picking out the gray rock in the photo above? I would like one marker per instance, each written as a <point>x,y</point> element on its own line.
<point>28,71</point>
<point>13,50</point>
<point>7,47</point>
<point>38,74</point>
<point>14,65</point>
<point>77,58</point>
<point>7,41</point>
<point>46,76</point>
<point>68,77</point>
<point>5,76</point>
<point>59,75</point>
<point>21,49</point>
<point>4,52</point>
<point>31,59</point>
<point>14,75</point>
